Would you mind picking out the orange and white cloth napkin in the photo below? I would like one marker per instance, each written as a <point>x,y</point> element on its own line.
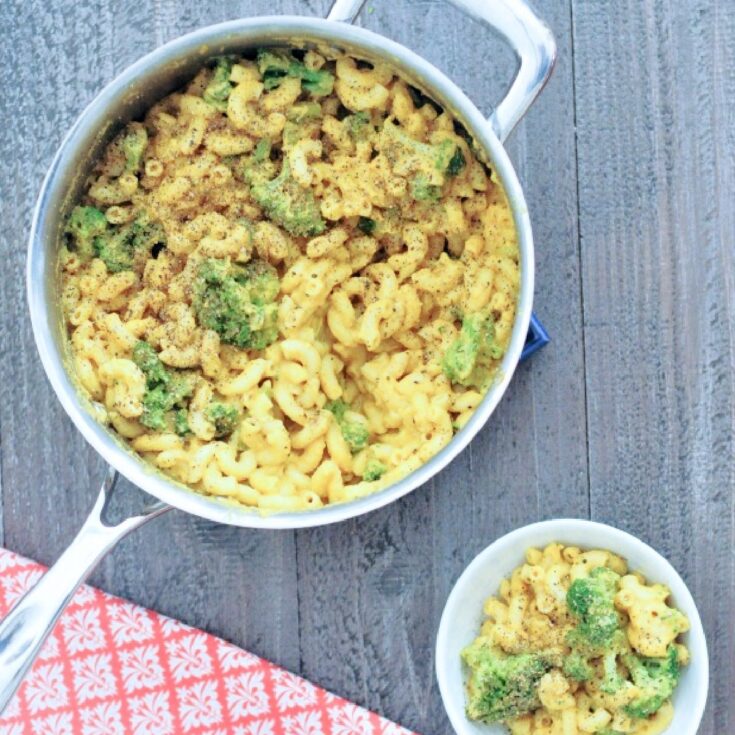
<point>113,668</point>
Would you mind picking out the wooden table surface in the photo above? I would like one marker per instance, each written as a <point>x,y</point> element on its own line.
<point>628,163</point>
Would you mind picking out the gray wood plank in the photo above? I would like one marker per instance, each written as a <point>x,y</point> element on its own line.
<point>655,101</point>
<point>371,592</point>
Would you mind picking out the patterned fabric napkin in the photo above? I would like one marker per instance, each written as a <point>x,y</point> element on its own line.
<point>113,668</point>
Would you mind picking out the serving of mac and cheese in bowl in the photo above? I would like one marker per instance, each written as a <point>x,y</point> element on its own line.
<point>570,627</point>
<point>280,265</point>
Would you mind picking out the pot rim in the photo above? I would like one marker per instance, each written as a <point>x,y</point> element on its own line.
<point>207,42</point>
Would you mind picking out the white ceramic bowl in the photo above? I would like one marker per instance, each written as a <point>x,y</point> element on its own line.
<point>463,615</point>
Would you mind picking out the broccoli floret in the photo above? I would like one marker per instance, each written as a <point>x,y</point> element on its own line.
<point>155,405</point>
<point>85,225</point>
<point>356,434</point>
<point>159,401</point>
<point>224,417</point>
<point>338,408</point>
<point>353,426</point>
<point>366,225</point>
<point>474,347</point>
<point>237,302</point>
<point>304,111</point>
<point>115,252</point>
<point>165,390</point>
<point>217,92</point>
<point>612,681</point>
<point>374,470</point>
<point>577,667</point>
<point>181,422</point>
<point>275,65</point>
<point>318,82</point>
<point>597,634</point>
<point>147,359</point>
<point>117,249</point>
<point>133,146</point>
<point>502,686</point>
<point>591,600</point>
<point>426,163</point>
<point>656,679</point>
<point>456,163</point>
<point>580,663</point>
<point>290,205</point>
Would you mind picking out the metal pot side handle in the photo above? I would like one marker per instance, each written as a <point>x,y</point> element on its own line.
<point>29,623</point>
<point>525,32</point>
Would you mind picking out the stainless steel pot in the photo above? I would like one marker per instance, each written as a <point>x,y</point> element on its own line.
<point>129,95</point>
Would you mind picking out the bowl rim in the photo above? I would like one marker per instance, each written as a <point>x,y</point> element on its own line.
<point>100,109</point>
<point>521,538</point>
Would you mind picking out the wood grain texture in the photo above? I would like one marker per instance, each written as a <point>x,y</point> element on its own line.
<point>655,91</point>
<point>628,164</point>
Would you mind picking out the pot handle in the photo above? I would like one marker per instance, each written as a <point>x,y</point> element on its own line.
<point>526,33</point>
<point>28,624</point>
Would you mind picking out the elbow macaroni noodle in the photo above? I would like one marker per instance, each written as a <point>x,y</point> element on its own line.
<point>362,317</point>
<point>530,614</point>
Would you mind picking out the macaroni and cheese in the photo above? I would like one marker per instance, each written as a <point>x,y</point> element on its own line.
<point>291,282</point>
<point>573,644</point>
